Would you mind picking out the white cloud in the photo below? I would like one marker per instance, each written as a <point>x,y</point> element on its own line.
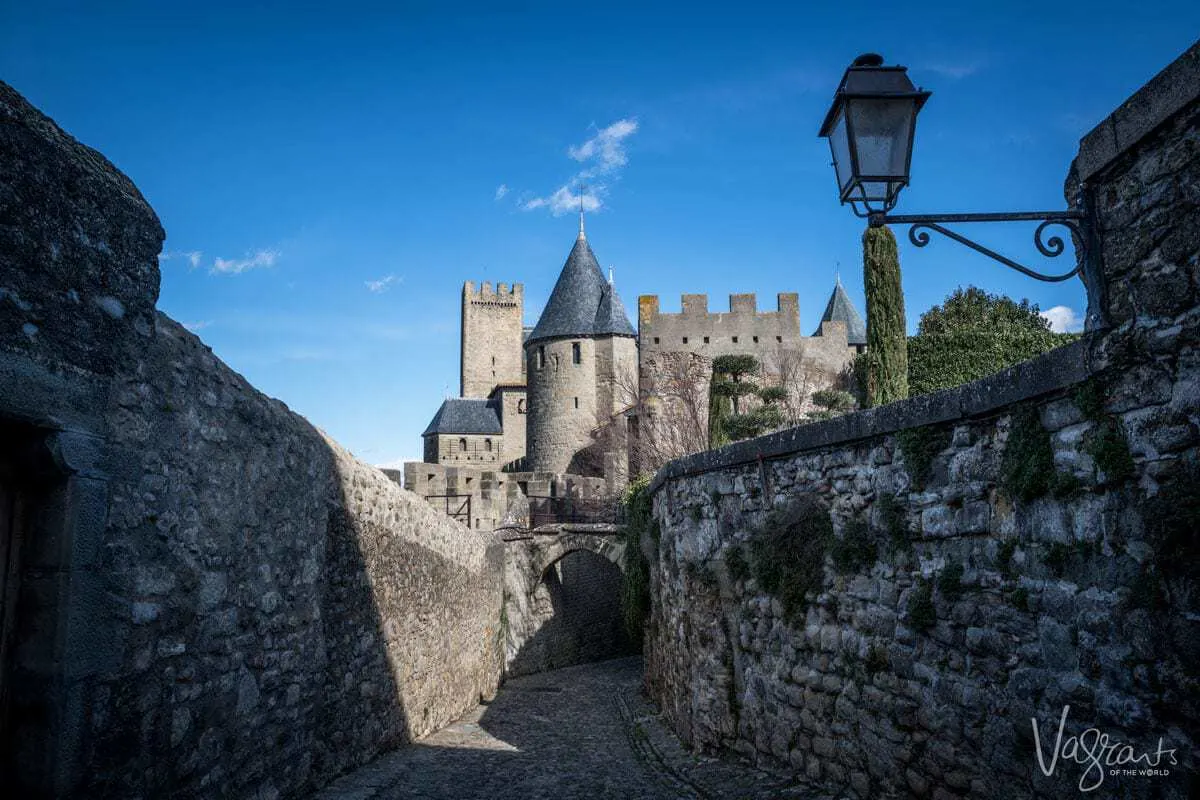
<point>501,190</point>
<point>236,266</point>
<point>564,201</point>
<point>196,326</point>
<point>601,155</point>
<point>606,150</point>
<point>1063,319</point>
<point>380,286</point>
<point>193,256</point>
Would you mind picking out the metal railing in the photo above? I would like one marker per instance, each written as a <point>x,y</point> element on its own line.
<point>455,506</point>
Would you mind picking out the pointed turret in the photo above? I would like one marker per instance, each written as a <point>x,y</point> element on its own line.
<point>582,303</point>
<point>841,309</point>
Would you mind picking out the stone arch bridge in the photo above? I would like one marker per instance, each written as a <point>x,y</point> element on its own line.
<point>562,596</point>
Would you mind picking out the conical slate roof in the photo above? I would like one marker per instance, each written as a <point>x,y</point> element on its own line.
<point>840,309</point>
<point>582,303</point>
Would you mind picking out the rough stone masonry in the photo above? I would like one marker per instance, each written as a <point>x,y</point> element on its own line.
<point>208,597</point>
<point>949,569</point>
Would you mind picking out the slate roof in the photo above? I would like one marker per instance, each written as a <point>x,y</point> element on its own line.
<point>465,415</point>
<point>583,303</point>
<point>840,309</point>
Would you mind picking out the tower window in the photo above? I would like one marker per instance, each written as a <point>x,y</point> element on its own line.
<point>706,340</point>
<point>685,340</point>
<point>656,340</point>
<point>756,340</point>
<point>576,356</point>
<point>487,445</point>
<point>779,339</point>
<point>462,445</point>
<point>493,361</point>
<point>541,357</point>
<point>577,402</point>
<point>735,340</point>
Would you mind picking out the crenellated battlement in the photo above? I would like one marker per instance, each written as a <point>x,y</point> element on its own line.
<point>696,305</point>
<point>484,293</point>
<point>741,329</point>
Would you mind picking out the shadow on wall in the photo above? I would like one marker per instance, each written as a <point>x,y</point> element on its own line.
<point>273,612</point>
<point>574,612</point>
<point>202,594</point>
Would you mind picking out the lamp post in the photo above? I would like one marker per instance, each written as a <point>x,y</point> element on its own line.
<point>870,128</point>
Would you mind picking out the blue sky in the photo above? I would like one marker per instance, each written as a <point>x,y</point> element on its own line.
<point>328,177</point>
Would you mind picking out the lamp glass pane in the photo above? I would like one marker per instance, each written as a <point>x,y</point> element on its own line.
<point>839,144</point>
<point>882,132</point>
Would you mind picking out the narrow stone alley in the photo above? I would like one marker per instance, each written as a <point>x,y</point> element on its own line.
<point>573,733</point>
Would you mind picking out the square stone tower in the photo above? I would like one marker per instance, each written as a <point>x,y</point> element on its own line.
<point>491,338</point>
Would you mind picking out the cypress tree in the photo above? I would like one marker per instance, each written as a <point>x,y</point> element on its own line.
<point>887,341</point>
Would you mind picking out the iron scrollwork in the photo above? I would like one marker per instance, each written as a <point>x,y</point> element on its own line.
<point>1052,247</point>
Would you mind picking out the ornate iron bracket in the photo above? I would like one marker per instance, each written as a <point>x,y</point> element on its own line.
<point>1051,248</point>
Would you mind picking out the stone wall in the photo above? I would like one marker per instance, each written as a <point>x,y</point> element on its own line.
<point>209,598</point>
<point>947,570</point>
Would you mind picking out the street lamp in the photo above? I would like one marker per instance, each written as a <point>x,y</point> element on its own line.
<point>870,128</point>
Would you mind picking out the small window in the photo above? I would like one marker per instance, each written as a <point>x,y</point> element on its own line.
<point>487,445</point>
<point>462,445</point>
<point>706,340</point>
<point>521,406</point>
<point>685,340</point>
<point>656,340</point>
<point>779,339</point>
<point>493,361</point>
<point>541,357</point>
<point>576,356</point>
<point>756,340</point>
<point>577,402</point>
<point>735,340</point>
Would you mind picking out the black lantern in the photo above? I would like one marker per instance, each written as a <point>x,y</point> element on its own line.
<point>870,130</point>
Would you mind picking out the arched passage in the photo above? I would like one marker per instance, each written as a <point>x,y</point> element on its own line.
<point>563,601</point>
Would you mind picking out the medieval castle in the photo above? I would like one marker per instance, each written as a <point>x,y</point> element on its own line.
<point>558,409</point>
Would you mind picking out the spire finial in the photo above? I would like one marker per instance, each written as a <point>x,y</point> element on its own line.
<point>582,192</point>
<point>610,276</point>
<point>838,273</point>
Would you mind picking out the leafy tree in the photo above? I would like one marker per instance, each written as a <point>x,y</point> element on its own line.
<point>974,334</point>
<point>887,352</point>
<point>973,309</point>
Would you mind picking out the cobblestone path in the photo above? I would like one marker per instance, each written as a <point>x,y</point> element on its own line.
<point>579,732</point>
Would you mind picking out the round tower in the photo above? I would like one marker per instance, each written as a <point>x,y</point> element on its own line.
<point>582,341</point>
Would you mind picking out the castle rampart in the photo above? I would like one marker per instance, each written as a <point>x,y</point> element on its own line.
<point>741,330</point>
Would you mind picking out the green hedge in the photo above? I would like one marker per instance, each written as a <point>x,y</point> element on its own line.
<point>940,361</point>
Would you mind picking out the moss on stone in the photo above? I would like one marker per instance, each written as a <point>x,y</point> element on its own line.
<point>735,561</point>
<point>1089,399</point>
<point>920,610</point>
<point>1109,448</point>
<point>635,577</point>
<point>1020,599</point>
<point>1004,557</point>
<point>1057,557</point>
<point>949,581</point>
<point>1027,465</point>
<point>876,660</point>
<point>920,446</point>
<point>855,548</point>
<point>788,552</point>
